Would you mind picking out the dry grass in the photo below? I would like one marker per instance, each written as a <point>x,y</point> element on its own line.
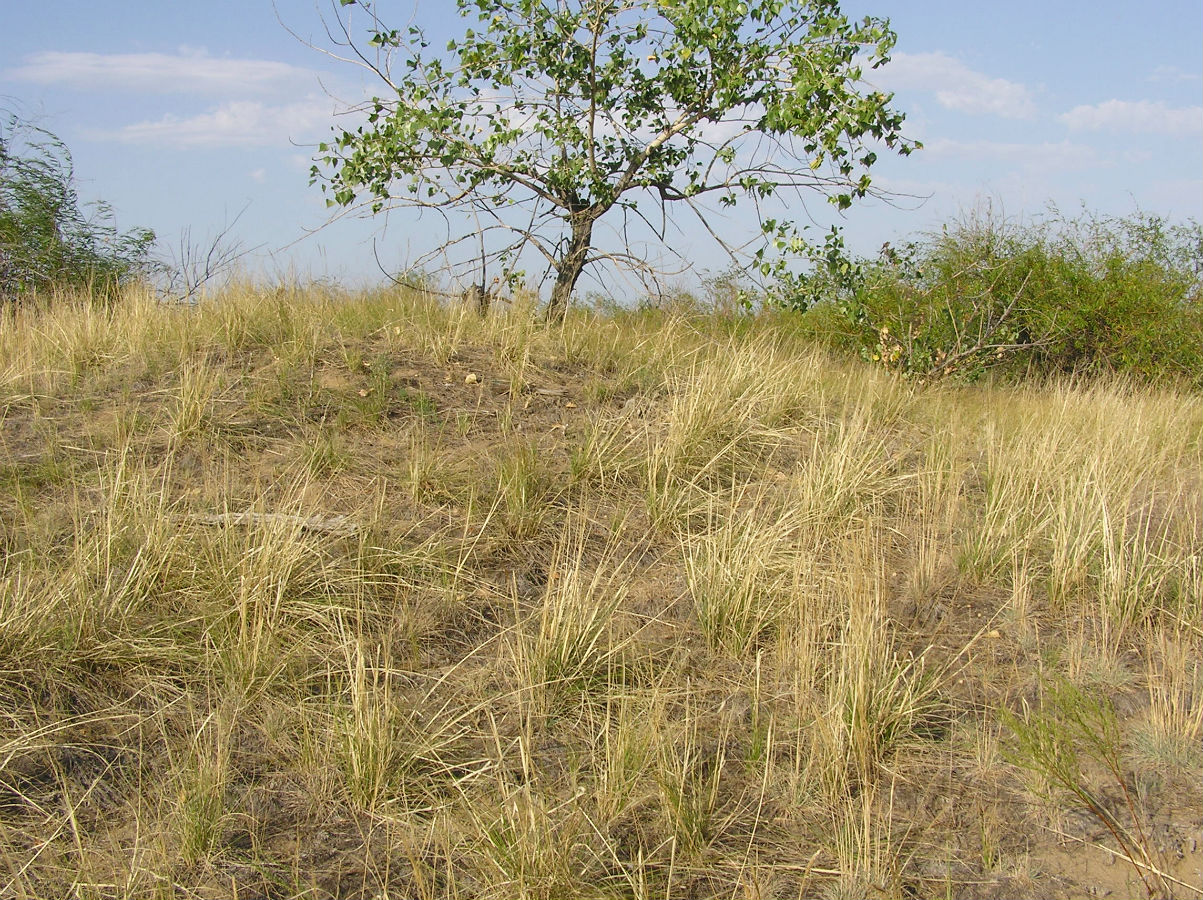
<point>641,606</point>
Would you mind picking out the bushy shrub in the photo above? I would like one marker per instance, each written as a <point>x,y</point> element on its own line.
<point>47,240</point>
<point>1087,294</point>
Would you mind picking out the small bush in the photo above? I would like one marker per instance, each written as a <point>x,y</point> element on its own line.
<point>1086,295</point>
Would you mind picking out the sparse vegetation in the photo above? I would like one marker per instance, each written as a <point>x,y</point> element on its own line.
<point>649,606</point>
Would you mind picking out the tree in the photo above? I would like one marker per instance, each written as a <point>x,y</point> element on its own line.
<point>46,238</point>
<point>549,114</point>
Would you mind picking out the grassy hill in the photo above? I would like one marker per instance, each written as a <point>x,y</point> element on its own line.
<point>307,595</point>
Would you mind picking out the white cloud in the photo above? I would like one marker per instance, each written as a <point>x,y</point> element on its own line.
<point>188,71</point>
<point>1044,157</point>
<point>1135,116</point>
<point>1174,74</point>
<point>957,86</point>
<point>1140,157</point>
<point>240,123</point>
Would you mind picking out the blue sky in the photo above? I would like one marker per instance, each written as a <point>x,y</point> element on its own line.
<point>181,115</point>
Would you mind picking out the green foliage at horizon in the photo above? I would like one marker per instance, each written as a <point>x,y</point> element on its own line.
<point>1087,294</point>
<point>47,239</point>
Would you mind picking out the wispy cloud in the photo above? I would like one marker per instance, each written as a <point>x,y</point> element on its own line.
<point>1042,157</point>
<point>1135,116</point>
<point>956,86</point>
<point>240,123</point>
<point>185,72</point>
<point>1176,194</point>
<point>917,188</point>
<point>1174,74</point>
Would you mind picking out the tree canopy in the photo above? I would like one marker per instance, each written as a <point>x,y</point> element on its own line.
<point>546,115</point>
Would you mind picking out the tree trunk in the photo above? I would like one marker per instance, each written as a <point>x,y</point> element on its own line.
<point>569,268</point>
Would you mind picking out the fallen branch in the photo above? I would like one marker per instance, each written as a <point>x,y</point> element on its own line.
<point>339,525</point>
<point>986,332</point>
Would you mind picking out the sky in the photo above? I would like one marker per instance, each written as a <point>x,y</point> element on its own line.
<point>191,118</point>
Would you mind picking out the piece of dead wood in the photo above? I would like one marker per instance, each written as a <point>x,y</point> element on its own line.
<point>338,525</point>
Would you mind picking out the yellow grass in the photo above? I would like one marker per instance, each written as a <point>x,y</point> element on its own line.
<point>645,605</point>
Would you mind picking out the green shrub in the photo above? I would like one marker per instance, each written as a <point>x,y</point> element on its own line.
<point>1087,295</point>
<point>47,241</point>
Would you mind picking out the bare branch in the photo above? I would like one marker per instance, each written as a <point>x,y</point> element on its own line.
<point>192,265</point>
<point>989,328</point>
